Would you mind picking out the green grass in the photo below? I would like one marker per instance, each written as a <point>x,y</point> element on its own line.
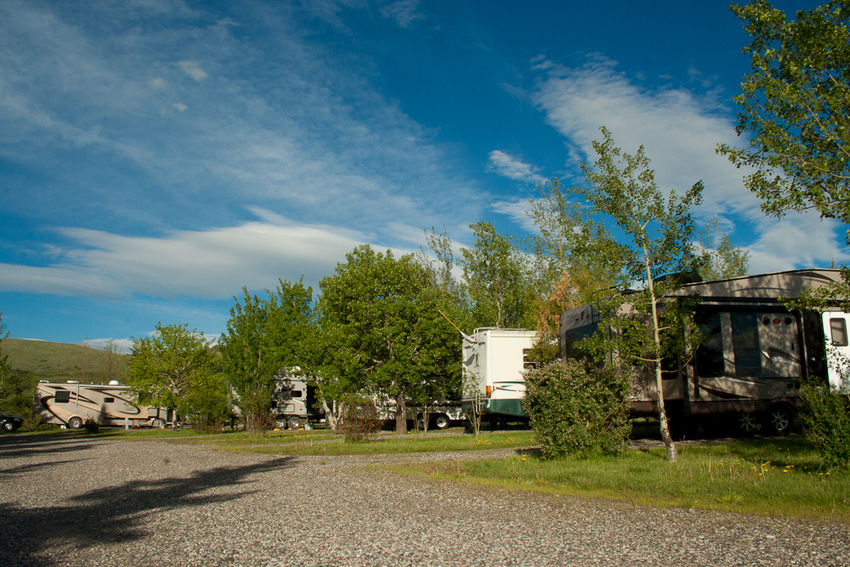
<point>55,361</point>
<point>781,477</point>
<point>321,441</point>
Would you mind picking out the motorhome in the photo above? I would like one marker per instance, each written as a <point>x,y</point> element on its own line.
<point>72,403</point>
<point>494,361</point>
<point>753,355</point>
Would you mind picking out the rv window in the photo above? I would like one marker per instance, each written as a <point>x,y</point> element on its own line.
<point>109,400</point>
<point>297,393</point>
<point>62,397</point>
<point>709,359</point>
<point>838,330</point>
<point>765,345</point>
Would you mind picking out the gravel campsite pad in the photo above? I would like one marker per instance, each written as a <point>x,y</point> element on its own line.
<point>83,501</point>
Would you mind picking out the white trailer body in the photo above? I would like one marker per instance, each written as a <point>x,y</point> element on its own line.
<point>293,401</point>
<point>71,404</point>
<point>441,413</point>
<point>494,361</point>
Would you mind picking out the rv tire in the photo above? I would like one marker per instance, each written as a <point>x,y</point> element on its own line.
<point>9,426</point>
<point>747,423</point>
<point>280,423</point>
<point>442,421</point>
<point>779,419</point>
<point>294,422</point>
<point>158,423</point>
<point>75,423</point>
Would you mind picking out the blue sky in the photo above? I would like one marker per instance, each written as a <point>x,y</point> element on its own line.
<point>158,155</point>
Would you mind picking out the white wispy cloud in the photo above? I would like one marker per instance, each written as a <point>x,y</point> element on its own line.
<point>403,12</point>
<point>680,131</point>
<point>508,166</point>
<point>193,69</point>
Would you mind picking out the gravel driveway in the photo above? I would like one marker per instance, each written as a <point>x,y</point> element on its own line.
<point>77,501</point>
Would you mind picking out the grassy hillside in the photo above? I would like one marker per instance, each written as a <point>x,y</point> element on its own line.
<point>62,361</point>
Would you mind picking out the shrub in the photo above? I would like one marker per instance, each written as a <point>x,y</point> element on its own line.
<point>578,409</point>
<point>359,420</point>
<point>826,419</point>
<point>91,425</point>
<point>255,403</point>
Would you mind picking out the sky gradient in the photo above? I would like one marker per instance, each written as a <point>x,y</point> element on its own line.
<point>158,155</point>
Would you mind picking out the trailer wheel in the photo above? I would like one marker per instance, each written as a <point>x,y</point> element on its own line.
<point>294,422</point>
<point>779,419</point>
<point>747,423</point>
<point>75,423</point>
<point>9,426</point>
<point>158,423</point>
<point>280,423</point>
<point>442,421</point>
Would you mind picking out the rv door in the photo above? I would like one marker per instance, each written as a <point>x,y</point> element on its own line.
<point>835,326</point>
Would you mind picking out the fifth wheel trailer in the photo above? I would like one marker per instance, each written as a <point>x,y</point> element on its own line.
<point>494,361</point>
<point>753,356</point>
<point>71,404</point>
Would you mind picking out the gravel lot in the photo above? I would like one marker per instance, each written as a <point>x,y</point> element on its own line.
<point>99,502</point>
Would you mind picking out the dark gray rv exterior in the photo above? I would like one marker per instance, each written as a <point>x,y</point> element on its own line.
<point>754,354</point>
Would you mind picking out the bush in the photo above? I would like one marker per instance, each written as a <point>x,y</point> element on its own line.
<point>826,418</point>
<point>577,409</point>
<point>359,419</point>
<point>256,405</point>
<point>91,425</point>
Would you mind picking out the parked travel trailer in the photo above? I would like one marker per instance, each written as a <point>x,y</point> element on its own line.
<point>71,404</point>
<point>494,360</point>
<point>294,401</point>
<point>753,356</point>
<point>441,413</point>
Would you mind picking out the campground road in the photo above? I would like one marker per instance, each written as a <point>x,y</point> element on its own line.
<point>83,501</point>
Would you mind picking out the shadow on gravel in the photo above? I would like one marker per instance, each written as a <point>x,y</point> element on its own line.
<point>113,514</point>
<point>22,446</point>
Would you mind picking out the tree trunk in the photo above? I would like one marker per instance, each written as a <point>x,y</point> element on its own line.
<point>672,454</point>
<point>401,413</point>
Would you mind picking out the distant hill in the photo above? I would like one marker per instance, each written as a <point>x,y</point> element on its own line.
<point>62,361</point>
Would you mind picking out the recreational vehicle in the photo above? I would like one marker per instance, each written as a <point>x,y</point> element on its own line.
<point>71,404</point>
<point>293,401</point>
<point>753,355</point>
<point>493,363</point>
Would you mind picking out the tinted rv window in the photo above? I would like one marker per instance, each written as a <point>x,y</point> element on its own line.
<point>838,332</point>
<point>709,359</point>
<point>62,397</point>
<point>108,400</point>
<point>765,345</point>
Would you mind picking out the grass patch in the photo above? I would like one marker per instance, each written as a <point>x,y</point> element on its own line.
<point>779,477</point>
<point>322,441</point>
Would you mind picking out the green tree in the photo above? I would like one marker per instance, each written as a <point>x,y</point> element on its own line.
<point>571,258</point>
<point>381,314</point>
<point>795,104</point>
<point>497,279</point>
<point>264,336</point>
<point>167,365</point>
<point>659,233</point>
<point>719,258</point>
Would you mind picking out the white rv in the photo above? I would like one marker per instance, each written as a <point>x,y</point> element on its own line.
<point>71,404</point>
<point>493,363</point>
<point>753,356</point>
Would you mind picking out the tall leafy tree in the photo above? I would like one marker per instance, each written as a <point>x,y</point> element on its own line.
<point>381,314</point>
<point>571,261</point>
<point>264,336</point>
<point>659,232</point>
<point>497,278</point>
<point>169,363</point>
<point>795,104</point>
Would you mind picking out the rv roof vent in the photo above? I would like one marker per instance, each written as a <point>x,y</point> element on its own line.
<point>113,382</point>
<point>73,382</point>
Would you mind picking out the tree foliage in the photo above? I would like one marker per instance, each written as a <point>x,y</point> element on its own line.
<point>171,365</point>
<point>497,279</point>
<point>265,336</point>
<point>659,233</point>
<point>796,106</point>
<point>382,316</point>
<point>719,259</point>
